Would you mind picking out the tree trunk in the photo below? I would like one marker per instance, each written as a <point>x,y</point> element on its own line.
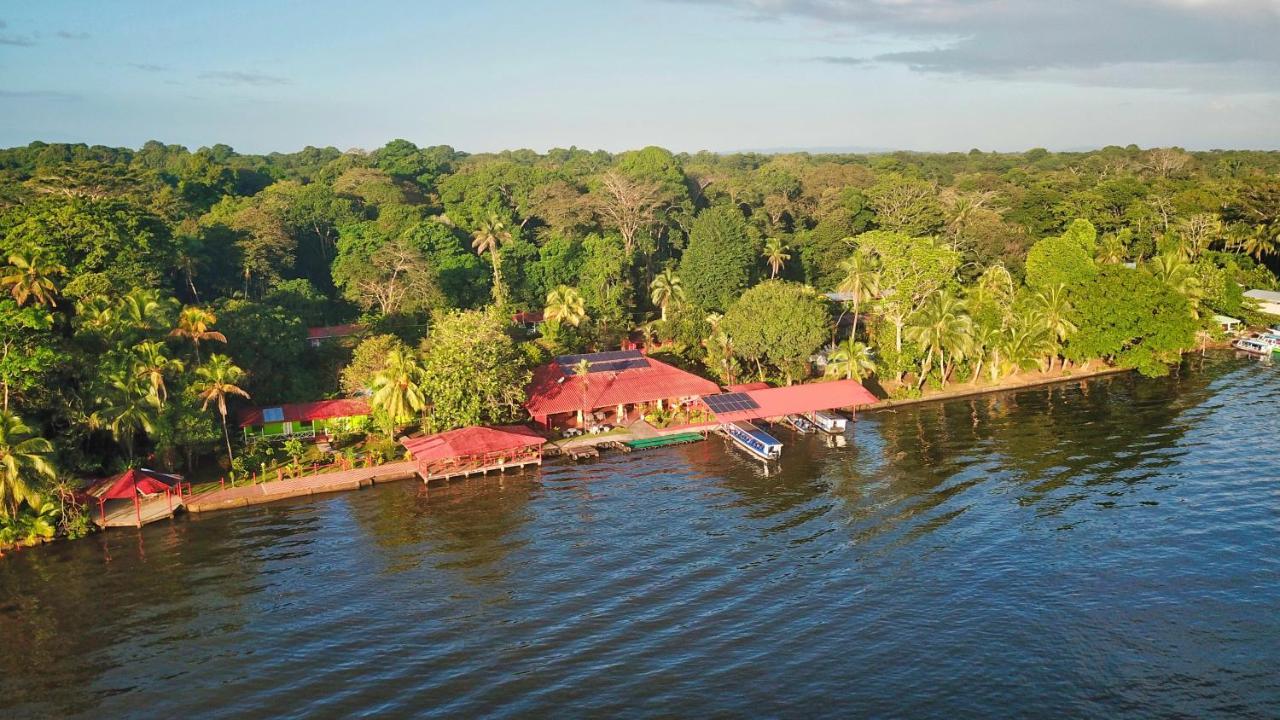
<point>227,435</point>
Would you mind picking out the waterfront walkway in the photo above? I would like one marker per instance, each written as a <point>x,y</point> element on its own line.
<point>354,479</point>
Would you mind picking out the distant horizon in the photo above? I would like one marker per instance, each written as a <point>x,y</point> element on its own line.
<point>936,76</point>
<point>773,150</point>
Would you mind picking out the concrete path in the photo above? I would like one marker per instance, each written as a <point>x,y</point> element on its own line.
<point>296,487</point>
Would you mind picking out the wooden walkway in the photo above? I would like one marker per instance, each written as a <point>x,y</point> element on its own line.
<point>354,479</point>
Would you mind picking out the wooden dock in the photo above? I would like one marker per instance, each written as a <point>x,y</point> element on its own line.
<point>259,493</point>
<point>122,513</point>
<point>462,471</point>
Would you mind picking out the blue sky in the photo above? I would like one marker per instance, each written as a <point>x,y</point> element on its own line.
<point>684,74</point>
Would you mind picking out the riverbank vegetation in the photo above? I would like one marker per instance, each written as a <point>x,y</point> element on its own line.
<point>150,293</point>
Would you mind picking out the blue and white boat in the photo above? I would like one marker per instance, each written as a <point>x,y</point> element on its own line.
<point>754,440</point>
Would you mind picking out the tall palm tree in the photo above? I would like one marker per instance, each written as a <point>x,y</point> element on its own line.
<point>1055,312</point>
<point>850,359</point>
<point>489,238</point>
<point>861,281</point>
<point>195,324</point>
<point>397,389</point>
<point>776,255</point>
<point>666,290</point>
<point>565,305</point>
<point>1260,242</point>
<point>151,365</point>
<point>216,381</point>
<point>29,276</point>
<point>943,329</point>
<point>986,350</point>
<point>126,407</point>
<point>25,459</point>
<point>1025,342</point>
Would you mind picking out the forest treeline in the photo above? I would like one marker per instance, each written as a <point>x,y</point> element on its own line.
<point>150,291</point>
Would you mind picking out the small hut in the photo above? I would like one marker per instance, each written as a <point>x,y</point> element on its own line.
<point>150,494</point>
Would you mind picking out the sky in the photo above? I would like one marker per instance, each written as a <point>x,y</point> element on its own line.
<point>689,75</point>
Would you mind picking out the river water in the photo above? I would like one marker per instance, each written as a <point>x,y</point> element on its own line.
<point>1106,549</point>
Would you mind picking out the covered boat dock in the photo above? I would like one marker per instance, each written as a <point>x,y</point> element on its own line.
<point>764,403</point>
<point>136,497</point>
<point>474,451</point>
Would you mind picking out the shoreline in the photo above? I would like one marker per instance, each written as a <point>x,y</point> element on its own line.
<point>1003,386</point>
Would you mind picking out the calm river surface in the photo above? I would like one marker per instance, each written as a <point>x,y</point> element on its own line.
<point>1108,549</point>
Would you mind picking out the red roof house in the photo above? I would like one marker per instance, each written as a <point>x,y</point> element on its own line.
<point>616,380</point>
<point>305,419</point>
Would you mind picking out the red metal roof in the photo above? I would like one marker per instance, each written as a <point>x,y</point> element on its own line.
<point>776,402</point>
<point>471,441</point>
<point>334,331</point>
<point>528,316</point>
<point>132,482</point>
<point>299,412</point>
<point>744,387</point>
<point>552,391</point>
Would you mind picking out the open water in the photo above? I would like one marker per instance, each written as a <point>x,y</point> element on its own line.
<point>1100,549</point>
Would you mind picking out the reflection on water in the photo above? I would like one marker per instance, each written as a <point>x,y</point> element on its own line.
<point>1103,548</point>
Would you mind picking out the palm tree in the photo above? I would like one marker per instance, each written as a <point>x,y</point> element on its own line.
<point>851,359</point>
<point>194,324</point>
<point>1111,250</point>
<point>30,277</point>
<point>1055,311</point>
<point>665,290</point>
<point>565,305</point>
<point>215,382</point>
<point>1179,275</point>
<point>986,350</point>
<point>144,311</point>
<point>397,389</point>
<point>125,407</point>
<point>25,459</point>
<point>489,238</point>
<point>1025,342</point>
<point>944,331</point>
<point>861,281</point>
<point>1260,242</point>
<point>151,365</point>
<point>776,255</point>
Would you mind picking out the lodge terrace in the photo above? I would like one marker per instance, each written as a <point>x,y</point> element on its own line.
<point>619,388</point>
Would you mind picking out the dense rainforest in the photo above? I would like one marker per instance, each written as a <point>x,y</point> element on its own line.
<point>147,294</point>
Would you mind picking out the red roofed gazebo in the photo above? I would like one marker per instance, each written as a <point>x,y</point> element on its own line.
<point>144,488</point>
<point>471,450</point>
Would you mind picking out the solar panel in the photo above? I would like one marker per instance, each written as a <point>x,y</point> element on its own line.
<point>593,358</point>
<point>730,402</point>
<point>274,414</point>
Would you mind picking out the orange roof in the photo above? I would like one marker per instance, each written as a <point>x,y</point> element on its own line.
<point>776,402</point>
<point>471,441</point>
<point>553,390</point>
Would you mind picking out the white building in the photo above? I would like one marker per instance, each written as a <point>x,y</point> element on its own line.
<point>1268,301</point>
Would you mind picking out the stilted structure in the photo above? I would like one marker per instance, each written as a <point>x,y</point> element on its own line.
<point>151,496</point>
<point>474,451</point>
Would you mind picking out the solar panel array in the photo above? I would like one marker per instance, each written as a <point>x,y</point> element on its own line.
<point>612,361</point>
<point>730,402</point>
<point>274,414</point>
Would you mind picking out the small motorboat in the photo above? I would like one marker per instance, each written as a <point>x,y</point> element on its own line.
<point>754,440</point>
<point>1254,346</point>
<point>830,422</point>
<point>801,424</point>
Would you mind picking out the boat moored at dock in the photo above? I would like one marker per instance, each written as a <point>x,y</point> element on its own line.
<point>1260,346</point>
<point>754,440</point>
<point>830,422</point>
<point>801,424</point>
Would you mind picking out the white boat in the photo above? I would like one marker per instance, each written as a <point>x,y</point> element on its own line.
<point>1253,346</point>
<point>830,422</point>
<point>754,440</point>
<point>801,424</point>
